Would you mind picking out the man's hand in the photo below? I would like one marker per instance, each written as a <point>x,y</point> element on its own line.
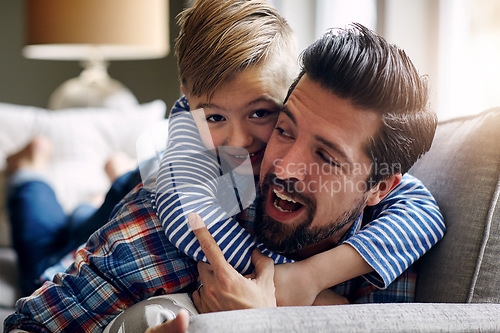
<point>223,288</point>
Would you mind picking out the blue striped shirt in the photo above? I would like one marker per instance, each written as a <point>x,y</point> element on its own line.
<point>397,231</point>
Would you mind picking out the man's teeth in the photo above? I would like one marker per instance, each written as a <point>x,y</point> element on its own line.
<point>279,208</point>
<point>283,197</point>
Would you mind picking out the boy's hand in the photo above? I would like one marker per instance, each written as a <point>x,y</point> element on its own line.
<point>223,287</point>
<point>294,284</point>
<point>329,297</point>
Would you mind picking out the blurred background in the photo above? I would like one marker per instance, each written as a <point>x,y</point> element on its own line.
<point>455,42</point>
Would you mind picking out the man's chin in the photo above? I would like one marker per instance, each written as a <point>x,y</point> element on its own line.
<point>280,237</point>
<point>289,240</point>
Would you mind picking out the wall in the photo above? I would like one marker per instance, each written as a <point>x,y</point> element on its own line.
<point>414,26</point>
<point>30,82</point>
<point>411,24</point>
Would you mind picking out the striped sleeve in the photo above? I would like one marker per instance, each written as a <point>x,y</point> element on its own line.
<point>405,225</point>
<point>191,179</point>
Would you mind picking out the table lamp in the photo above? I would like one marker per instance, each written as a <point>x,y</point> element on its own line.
<point>95,32</point>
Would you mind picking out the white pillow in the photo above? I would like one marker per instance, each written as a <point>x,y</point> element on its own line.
<point>83,139</point>
<point>18,125</point>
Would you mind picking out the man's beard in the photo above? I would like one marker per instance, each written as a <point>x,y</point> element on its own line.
<point>282,238</point>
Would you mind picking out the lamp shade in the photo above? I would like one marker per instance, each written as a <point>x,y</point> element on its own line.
<point>106,29</point>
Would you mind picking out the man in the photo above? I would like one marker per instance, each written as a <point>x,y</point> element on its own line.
<point>355,120</point>
<point>344,119</point>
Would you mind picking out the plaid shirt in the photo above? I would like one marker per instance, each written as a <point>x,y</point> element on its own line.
<point>129,260</point>
<point>124,262</point>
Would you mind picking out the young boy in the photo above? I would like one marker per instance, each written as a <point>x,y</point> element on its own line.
<point>130,259</point>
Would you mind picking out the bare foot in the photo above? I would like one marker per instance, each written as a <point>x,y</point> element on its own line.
<point>118,164</point>
<point>34,156</point>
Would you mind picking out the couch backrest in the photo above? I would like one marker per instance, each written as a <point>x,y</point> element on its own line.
<point>462,171</point>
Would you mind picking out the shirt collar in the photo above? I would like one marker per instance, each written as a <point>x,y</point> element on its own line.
<point>354,229</point>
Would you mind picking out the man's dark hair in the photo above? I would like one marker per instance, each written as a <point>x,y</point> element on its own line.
<point>359,65</point>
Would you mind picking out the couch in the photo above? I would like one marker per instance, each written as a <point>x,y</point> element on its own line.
<point>458,287</point>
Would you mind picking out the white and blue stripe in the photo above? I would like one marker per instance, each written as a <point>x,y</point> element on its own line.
<point>405,225</point>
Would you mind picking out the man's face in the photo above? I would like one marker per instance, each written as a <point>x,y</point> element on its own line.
<point>315,169</point>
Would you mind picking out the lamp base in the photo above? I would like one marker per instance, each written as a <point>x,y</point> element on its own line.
<point>93,88</point>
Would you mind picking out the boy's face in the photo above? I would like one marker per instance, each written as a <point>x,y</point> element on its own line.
<point>242,113</point>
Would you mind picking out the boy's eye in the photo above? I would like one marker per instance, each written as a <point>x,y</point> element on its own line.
<point>260,114</point>
<point>215,118</point>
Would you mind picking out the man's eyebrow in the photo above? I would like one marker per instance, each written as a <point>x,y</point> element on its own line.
<point>334,147</point>
<point>324,141</point>
<point>290,115</point>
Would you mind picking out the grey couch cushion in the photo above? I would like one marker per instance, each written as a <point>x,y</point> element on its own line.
<point>462,171</point>
<point>401,317</point>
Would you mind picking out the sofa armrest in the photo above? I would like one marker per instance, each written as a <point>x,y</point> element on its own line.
<point>415,317</point>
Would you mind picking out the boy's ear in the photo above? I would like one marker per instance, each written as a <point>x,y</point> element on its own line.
<point>380,191</point>
<point>183,90</point>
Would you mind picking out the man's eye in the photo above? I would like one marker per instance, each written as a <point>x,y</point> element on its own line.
<point>282,132</point>
<point>328,159</point>
<point>215,118</point>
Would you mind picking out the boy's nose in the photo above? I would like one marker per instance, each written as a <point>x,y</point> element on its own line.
<point>240,137</point>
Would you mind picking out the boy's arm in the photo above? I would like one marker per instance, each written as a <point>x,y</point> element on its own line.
<point>192,179</point>
<point>302,282</point>
<point>405,225</point>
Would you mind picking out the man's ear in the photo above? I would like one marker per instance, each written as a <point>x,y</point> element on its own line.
<point>379,191</point>
<point>183,90</point>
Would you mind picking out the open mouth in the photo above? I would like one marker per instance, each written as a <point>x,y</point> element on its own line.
<point>282,207</point>
<point>284,203</point>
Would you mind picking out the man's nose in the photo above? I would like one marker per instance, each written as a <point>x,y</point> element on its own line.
<point>293,164</point>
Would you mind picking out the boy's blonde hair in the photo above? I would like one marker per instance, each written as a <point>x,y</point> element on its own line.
<point>220,38</point>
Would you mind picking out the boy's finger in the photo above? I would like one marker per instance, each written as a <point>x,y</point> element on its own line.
<point>207,243</point>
